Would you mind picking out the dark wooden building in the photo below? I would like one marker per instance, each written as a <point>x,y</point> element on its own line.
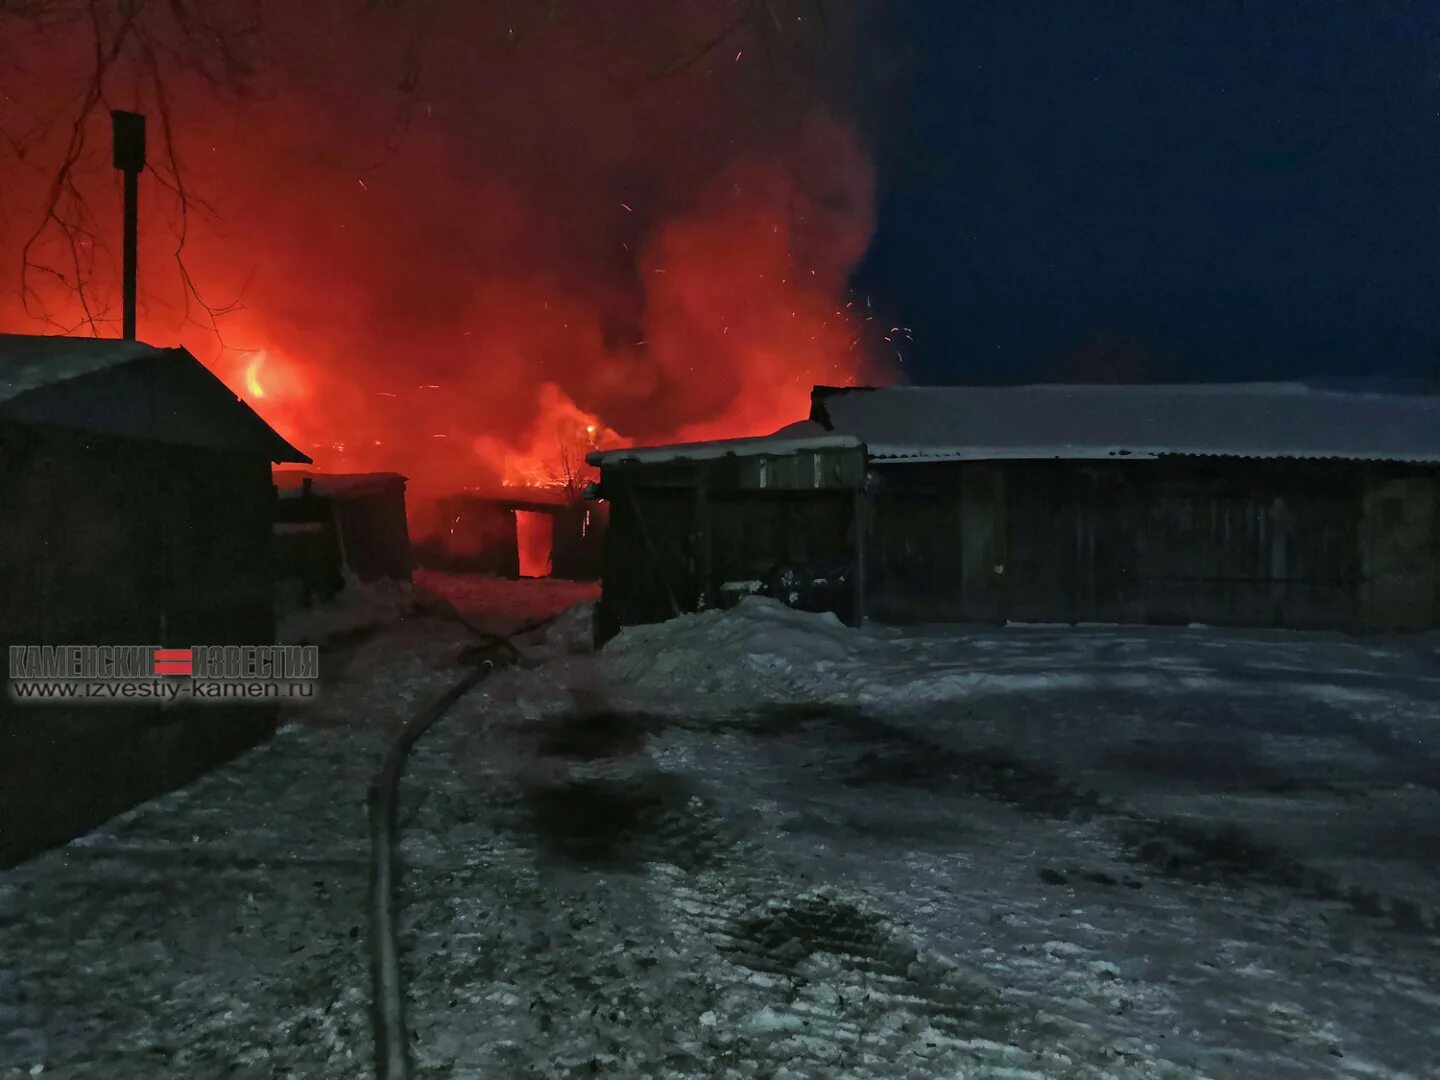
<point>135,509</point>
<point>700,525</point>
<point>1257,505</point>
<point>331,528</point>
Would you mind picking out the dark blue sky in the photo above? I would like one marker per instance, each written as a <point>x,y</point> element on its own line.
<point>1251,189</point>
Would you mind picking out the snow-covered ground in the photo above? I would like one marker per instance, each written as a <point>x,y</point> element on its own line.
<point>762,844</point>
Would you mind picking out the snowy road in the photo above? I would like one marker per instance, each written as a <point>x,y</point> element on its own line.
<point>766,846</point>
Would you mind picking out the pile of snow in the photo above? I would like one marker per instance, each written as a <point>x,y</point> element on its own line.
<point>358,606</point>
<point>759,649</point>
<point>571,633</point>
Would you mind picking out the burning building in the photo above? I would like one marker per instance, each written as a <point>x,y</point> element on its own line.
<point>135,509</point>
<point>528,253</point>
<point>517,532</point>
<point>471,260</point>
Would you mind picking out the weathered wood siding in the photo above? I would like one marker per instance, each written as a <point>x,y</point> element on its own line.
<point>679,530</point>
<point>113,541</point>
<point>937,544</point>
<point>1229,543</point>
<point>1400,553</point>
<point>666,550</point>
<point>374,535</point>
<point>648,559</point>
<point>1218,541</point>
<point>579,541</point>
<point>471,534</point>
<point>1303,544</point>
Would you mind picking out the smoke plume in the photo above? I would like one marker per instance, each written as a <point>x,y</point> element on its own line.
<point>462,244</point>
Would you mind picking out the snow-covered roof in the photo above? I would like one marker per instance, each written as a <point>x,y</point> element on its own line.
<point>132,389</point>
<point>30,361</point>
<point>750,447</point>
<point>1265,420</point>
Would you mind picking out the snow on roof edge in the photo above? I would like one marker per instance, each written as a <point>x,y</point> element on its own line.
<point>902,454</point>
<point>704,451</point>
<point>30,362</point>
<point>290,482</point>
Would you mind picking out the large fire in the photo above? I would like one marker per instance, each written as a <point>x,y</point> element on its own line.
<point>565,251</point>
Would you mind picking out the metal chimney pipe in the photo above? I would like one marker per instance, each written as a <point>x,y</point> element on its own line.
<point>128,131</point>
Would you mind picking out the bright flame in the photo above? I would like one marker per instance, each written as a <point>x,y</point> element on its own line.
<point>688,289</point>
<point>535,538</point>
<point>288,390</point>
<point>252,377</point>
<point>553,454</point>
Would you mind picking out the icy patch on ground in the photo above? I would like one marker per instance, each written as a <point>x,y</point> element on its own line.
<point>572,633</point>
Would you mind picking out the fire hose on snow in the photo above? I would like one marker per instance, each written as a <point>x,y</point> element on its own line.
<point>392,1036</point>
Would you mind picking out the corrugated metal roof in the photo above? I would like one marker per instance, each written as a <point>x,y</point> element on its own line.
<point>1254,420</point>
<point>132,389</point>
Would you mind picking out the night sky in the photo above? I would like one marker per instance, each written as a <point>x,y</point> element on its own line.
<point>1242,190</point>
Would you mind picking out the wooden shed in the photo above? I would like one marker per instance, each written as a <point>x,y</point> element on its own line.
<point>1257,505</point>
<point>517,532</point>
<point>135,509</point>
<point>698,525</point>
<point>336,527</point>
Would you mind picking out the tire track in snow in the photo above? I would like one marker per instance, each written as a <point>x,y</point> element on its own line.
<point>847,991</point>
<point>881,754</point>
<point>819,982</point>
